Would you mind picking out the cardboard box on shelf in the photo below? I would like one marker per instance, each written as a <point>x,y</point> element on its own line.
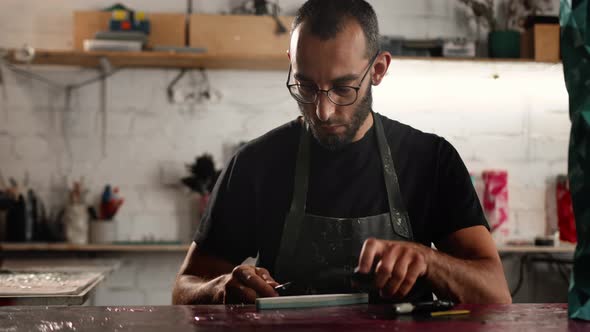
<point>540,41</point>
<point>243,35</point>
<point>167,29</point>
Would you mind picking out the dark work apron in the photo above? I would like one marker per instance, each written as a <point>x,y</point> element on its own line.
<point>320,253</point>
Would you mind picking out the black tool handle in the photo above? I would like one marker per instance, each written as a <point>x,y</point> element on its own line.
<point>438,305</point>
<point>363,281</point>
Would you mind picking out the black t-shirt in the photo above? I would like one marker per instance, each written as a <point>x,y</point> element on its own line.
<point>250,200</point>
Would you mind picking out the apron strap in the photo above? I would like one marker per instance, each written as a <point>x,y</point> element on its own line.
<point>400,220</point>
<point>292,226</point>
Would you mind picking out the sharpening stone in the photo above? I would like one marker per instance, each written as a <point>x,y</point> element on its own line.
<point>310,301</point>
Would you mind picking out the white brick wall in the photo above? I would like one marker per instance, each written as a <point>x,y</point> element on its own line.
<point>6,150</point>
<point>142,279</point>
<point>31,148</point>
<point>109,296</point>
<point>517,121</point>
<point>124,277</point>
<point>491,126</point>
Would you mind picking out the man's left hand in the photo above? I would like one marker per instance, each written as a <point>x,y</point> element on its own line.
<point>397,265</point>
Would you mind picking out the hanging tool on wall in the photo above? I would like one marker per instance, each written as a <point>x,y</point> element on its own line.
<point>199,91</point>
<point>170,91</point>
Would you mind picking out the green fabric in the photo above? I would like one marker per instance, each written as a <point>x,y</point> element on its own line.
<point>575,50</point>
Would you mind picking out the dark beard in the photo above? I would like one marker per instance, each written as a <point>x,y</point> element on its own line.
<point>337,142</point>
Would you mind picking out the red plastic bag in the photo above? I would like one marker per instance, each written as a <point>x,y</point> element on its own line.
<point>565,211</point>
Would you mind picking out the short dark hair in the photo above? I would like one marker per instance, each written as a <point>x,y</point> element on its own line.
<point>326,18</point>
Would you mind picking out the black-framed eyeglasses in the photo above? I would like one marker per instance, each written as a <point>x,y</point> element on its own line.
<point>339,95</point>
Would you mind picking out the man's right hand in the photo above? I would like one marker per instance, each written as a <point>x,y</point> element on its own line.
<point>246,283</point>
<point>205,279</point>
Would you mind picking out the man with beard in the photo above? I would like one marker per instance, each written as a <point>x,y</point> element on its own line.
<point>342,189</point>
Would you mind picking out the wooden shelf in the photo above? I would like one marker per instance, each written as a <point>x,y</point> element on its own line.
<point>530,249</point>
<point>156,60</point>
<point>184,60</point>
<point>473,60</point>
<point>93,247</point>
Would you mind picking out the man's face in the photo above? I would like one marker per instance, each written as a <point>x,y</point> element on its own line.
<point>340,61</point>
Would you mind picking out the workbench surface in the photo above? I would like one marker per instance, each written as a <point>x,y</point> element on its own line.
<point>516,317</point>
